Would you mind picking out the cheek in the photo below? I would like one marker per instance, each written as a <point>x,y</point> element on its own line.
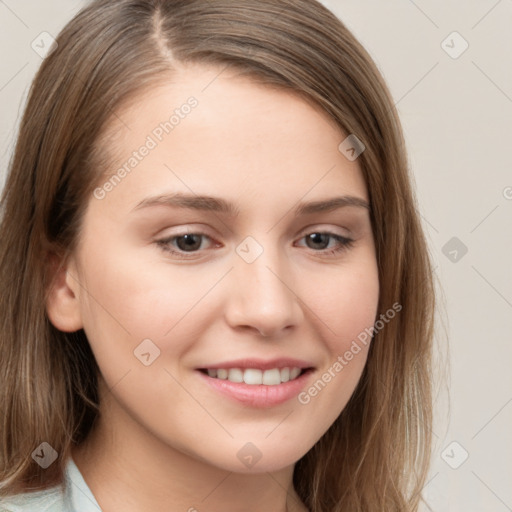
<point>326,395</point>
<point>141,296</point>
<point>347,304</point>
<point>129,300</point>
<point>345,324</point>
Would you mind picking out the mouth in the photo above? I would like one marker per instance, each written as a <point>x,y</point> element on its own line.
<point>255,387</point>
<point>256,376</point>
<point>257,382</point>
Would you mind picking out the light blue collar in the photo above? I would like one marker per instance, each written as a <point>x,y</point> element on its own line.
<point>78,496</point>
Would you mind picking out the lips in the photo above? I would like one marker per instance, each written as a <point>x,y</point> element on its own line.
<point>257,382</point>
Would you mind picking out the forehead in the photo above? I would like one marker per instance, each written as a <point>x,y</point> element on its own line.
<point>207,130</point>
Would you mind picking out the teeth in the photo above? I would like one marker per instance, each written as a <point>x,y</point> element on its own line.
<point>294,373</point>
<point>235,375</point>
<point>256,377</point>
<point>271,377</point>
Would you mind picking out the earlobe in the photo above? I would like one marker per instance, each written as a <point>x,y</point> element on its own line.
<point>62,299</point>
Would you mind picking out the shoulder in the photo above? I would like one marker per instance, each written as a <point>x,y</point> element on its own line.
<point>50,500</point>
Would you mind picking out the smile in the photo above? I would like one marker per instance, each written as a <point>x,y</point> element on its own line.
<point>255,376</point>
<point>258,388</point>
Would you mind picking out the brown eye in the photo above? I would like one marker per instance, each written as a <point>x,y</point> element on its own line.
<point>188,242</point>
<point>319,241</point>
<point>180,245</point>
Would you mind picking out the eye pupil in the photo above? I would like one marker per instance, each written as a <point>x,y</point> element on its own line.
<point>191,242</point>
<point>316,238</point>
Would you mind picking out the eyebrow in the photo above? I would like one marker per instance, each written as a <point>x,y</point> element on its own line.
<point>218,205</point>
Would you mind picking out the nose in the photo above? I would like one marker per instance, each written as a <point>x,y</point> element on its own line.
<point>262,297</point>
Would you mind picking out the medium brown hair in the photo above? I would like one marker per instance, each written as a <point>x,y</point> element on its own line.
<point>375,456</point>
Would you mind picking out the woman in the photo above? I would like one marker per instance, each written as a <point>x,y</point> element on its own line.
<point>216,290</point>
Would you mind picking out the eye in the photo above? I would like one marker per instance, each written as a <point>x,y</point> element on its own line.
<point>321,238</point>
<point>185,243</point>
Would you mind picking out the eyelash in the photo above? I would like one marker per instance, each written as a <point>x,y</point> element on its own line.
<point>345,244</point>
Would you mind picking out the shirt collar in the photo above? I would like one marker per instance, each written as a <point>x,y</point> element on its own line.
<point>78,495</point>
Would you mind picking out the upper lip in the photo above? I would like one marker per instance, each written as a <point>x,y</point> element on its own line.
<point>261,364</point>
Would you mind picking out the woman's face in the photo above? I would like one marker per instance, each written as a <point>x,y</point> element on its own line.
<point>169,284</point>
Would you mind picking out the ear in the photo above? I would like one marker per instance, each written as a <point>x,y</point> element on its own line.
<point>62,301</point>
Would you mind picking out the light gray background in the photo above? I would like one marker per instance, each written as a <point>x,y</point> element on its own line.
<point>457,118</point>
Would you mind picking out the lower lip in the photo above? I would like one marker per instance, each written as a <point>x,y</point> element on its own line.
<point>261,396</point>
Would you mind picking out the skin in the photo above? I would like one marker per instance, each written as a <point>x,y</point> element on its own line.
<point>164,439</point>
